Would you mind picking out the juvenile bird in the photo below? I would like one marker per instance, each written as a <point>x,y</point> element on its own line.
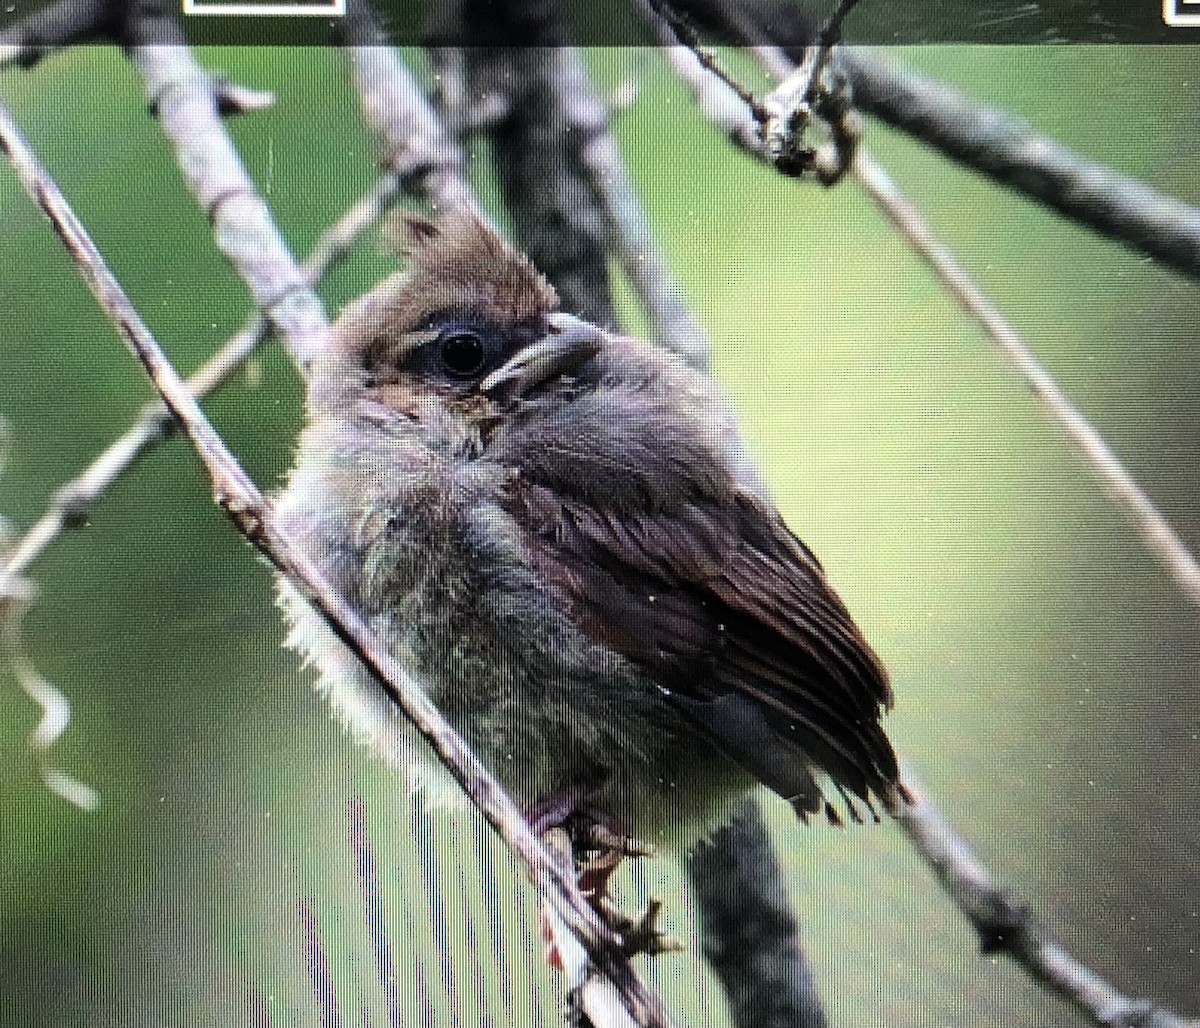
<point>558,532</point>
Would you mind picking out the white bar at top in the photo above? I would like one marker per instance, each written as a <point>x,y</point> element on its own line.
<point>1174,16</point>
<point>329,9</point>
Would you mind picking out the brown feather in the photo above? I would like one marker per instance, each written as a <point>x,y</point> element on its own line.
<point>457,266</point>
<point>716,597</point>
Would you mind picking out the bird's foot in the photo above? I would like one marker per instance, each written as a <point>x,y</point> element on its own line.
<point>602,838</point>
<point>597,842</point>
<point>552,813</point>
<point>641,933</point>
<point>598,845</point>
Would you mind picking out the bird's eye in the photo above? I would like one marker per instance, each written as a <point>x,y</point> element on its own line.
<point>463,353</point>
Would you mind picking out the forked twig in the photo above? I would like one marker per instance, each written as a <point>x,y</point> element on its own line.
<point>723,107</point>
<point>989,140</point>
<point>828,36</point>
<point>801,96</point>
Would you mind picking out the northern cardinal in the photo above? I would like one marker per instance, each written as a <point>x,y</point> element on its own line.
<point>559,533</point>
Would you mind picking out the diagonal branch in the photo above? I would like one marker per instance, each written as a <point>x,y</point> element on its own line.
<point>1005,924</point>
<point>555,215</point>
<point>253,516</point>
<point>828,36</point>
<point>674,30</point>
<point>1156,531</point>
<point>628,231</point>
<point>416,146</point>
<point>1008,150</point>
<point>1158,535</point>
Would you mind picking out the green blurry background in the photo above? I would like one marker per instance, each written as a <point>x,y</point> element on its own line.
<point>1046,667</point>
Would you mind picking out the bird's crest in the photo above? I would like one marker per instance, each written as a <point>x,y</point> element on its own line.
<point>457,264</point>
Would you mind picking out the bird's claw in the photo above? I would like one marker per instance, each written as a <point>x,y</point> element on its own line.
<point>610,847</point>
<point>641,934</point>
<point>599,836</point>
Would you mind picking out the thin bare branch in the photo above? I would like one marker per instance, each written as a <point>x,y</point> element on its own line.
<point>1011,152</point>
<point>829,35</point>
<point>674,29</point>
<point>73,502</point>
<point>718,101</point>
<point>416,145</point>
<point>183,97</point>
<point>1156,531</point>
<point>253,516</point>
<point>1006,925</point>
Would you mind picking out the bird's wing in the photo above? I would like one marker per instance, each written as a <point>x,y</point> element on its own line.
<point>727,611</point>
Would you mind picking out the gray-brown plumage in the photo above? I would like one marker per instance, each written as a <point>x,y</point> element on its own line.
<point>559,533</point>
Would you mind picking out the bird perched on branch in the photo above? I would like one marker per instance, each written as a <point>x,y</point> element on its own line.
<point>557,530</point>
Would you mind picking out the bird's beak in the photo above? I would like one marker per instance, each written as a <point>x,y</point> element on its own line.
<point>567,344</point>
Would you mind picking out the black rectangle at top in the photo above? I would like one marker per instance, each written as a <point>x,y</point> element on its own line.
<point>786,23</point>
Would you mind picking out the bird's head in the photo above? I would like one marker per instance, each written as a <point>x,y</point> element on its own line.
<point>469,327</point>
